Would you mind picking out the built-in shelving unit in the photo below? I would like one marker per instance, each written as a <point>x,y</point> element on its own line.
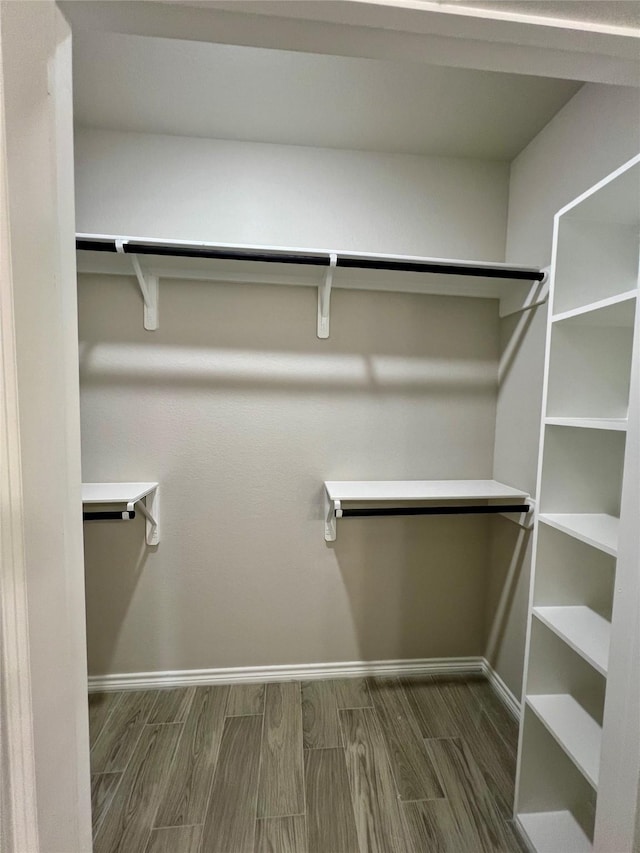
<point>420,497</point>
<point>587,424</point>
<point>152,259</point>
<point>127,496</point>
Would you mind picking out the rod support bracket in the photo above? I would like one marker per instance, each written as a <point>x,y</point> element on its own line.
<point>149,506</point>
<point>148,284</point>
<point>324,297</point>
<point>332,511</point>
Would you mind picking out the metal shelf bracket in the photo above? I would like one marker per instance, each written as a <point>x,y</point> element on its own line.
<point>148,285</point>
<point>324,298</point>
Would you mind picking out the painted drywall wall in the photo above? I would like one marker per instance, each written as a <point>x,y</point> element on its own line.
<point>597,131</point>
<point>285,195</point>
<point>36,88</point>
<point>240,412</point>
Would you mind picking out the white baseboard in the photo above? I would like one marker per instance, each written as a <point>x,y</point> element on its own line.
<point>292,672</point>
<point>501,690</point>
<point>306,672</point>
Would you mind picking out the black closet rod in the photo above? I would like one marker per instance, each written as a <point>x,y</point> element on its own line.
<point>131,247</point>
<point>434,510</point>
<point>110,515</point>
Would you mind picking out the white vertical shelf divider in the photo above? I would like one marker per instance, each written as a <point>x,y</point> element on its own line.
<point>582,668</point>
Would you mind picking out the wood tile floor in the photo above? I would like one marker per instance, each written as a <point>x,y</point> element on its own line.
<point>350,766</point>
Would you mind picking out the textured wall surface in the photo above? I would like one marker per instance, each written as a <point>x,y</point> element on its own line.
<point>286,195</point>
<point>241,412</point>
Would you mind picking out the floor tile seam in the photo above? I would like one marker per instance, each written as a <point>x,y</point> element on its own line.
<point>262,741</point>
<point>418,735</point>
<point>282,816</point>
<point>96,830</point>
<point>164,785</point>
<point>424,800</point>
<point>133,749</point>
<point>151,827</point>
<point>106,720</point>
<point>215,765</point>
<point>496,729</point>
<point>354,812</point>
<point>185,713</point>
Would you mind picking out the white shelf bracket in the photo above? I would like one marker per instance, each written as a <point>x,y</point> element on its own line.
<point>332,511</point>
<point>149,506</point>
<point>324,298</point>
<point>148,285</point>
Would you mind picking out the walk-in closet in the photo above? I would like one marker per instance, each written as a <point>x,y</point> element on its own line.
<point>321,398</point>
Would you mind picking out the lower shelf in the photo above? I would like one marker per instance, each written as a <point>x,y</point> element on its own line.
<point>574,730</point>
<point>550,832</point>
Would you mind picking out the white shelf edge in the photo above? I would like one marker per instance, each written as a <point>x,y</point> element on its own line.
<point>578,735</point>
<point>563,523</point>
<point>421,490</point>
<point>105,493</point>
<point>618,299</point>
<point>616,424</point>
<point>588,636</point>
<point>550,832</point>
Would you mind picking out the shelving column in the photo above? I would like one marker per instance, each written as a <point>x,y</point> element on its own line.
<point>586,543</point>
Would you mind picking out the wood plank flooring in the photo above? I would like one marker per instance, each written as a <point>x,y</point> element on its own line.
<point>412,765</point>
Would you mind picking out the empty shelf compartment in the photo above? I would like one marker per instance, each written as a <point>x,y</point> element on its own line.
<point>584,630</point>
<point>550,832</point>
<point>574,730</point>
<point>596,529</point>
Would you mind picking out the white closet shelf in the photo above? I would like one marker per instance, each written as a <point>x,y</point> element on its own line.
<point>584,630</point>
<point>614,311</point>
<point>574,730</point>
<point>427,492</point>
<point>420,490</point>
<point>596,529</point>
<point>617,424</point>
<point>151,259</point>
<point>132,495</point>
<point>550,832</point>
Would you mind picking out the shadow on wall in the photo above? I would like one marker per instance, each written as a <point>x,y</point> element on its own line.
<point>505,638</point>
<point>240,413</point>
<point>416,586</point>
<point>120,555</point>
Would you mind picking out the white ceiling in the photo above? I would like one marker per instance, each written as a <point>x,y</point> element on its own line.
<point>191,88</point>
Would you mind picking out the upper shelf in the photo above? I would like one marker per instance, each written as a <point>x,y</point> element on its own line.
<point>151,259</point>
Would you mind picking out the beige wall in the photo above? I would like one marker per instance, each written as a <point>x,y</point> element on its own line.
<point>597,131</point>
<point>240,412</point>
<point>36,76</point>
